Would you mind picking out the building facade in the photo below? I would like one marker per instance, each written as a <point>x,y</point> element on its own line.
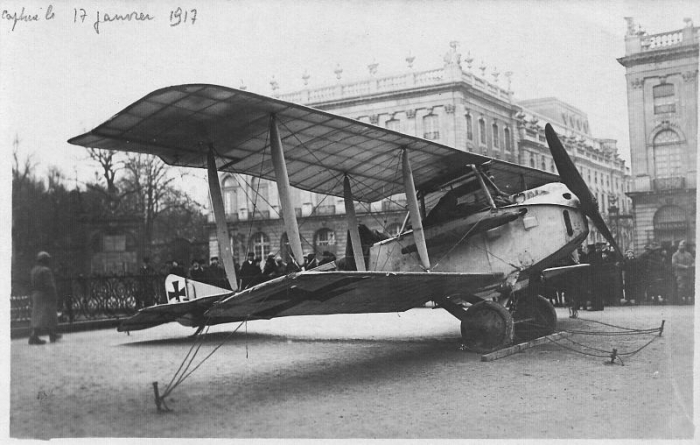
<point>452,105</point>
<point>662,94</point>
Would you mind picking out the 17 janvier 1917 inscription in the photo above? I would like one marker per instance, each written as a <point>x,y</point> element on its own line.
<point>97,18</point>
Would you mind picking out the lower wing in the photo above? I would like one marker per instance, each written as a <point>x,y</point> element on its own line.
<point>165,313</point>
<point>318,293</point>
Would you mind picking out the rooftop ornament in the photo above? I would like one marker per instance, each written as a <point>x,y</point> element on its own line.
<point>409,59</point>
<point>338,71</point>
<point>305,77</point>
<point>373,68</point>
<point>469,59</point>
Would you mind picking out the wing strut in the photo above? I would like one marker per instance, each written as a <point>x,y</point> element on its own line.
<point>352,227</point>
<point>282,179</point>
<point>416,222</point>
<point>222,235</point>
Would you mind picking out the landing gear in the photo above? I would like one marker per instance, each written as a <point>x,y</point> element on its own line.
<point>486,327</point>
<point>534,317</point>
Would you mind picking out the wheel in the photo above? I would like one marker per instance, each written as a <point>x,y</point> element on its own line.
<point>487,326</point>
<point>534,317</point>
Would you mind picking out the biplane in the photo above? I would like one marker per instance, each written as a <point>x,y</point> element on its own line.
<point>479,232</point>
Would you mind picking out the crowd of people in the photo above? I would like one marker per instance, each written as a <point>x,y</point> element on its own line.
<point>660,276</point>
<point>657,276</point>
<point>253,271</point>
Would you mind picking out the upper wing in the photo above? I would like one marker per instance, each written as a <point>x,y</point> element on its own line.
<point>316,293</point>
<point>180,123</point>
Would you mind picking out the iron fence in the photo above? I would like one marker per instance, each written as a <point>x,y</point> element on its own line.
<point>95,297</point>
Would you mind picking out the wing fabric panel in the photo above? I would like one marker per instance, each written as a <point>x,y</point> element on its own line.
<point>180,123</point>
<point>165,313</point>
<point>319,293</point>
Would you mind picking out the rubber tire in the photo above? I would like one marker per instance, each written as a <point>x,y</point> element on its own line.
<point>487,327</point>
<point>539,308</point>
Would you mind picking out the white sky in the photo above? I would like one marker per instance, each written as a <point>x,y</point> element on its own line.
<point>59,78</point>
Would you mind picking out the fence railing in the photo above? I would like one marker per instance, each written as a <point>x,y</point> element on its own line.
<point>95,297</point>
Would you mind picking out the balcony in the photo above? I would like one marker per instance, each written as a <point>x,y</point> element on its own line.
<point>325,210</point>
<point>259,214</point>
<point>672,183</point>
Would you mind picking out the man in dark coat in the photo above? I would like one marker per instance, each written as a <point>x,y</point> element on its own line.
<point>249,270</point>
<point>216,275</point>
<point>44,301</point>
<point>197,273</point>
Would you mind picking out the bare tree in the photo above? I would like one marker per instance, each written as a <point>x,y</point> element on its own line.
<point>149,182</point>
<point>110,164</point>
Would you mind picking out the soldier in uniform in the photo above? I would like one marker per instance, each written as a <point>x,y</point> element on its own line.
<point>44,301</point>
<point>683,267</point>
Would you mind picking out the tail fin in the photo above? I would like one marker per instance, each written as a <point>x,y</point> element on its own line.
<point>179,289</point>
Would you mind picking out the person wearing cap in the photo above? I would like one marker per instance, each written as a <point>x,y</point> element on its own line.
<point>44,301</point>
<point>683,266</point>
<point>216,275</point>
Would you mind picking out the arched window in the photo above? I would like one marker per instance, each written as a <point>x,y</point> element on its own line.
<point>482,131</point>
<point>324,240</point>
<point>544,164</point>
<point>667,154</point>
<point>260,245</point>
<point>494,131</point>
<point>230,196</point>
<point>431,127</point>
<point>506,137</point>
<point>532,160</point>
<point>670,224</point>
<point>470,132</point>
<point>393,229</point>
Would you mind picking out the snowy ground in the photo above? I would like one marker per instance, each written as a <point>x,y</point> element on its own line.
<point>367,376</point>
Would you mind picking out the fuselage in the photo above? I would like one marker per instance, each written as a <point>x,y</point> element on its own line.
<point>541,229</point>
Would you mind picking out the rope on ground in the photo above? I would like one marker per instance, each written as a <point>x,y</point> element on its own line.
<point>614,354</point>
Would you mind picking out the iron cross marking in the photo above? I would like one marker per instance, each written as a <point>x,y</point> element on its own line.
<point>176,293</point>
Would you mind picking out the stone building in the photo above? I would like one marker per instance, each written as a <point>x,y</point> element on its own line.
<point>662,99</point>
<point>452,105</point>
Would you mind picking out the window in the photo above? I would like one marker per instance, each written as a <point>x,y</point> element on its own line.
<point>494,130</point>
<point>532,160</point>
<point>393,124</point>
<point>114,243</point>
<point>230,198</point>
<point>324,240</point>
<point>470,133</point>
<point>260,245</point>
<point>544,165</point>
<point>506,137</point>
<point>667,154</point>
<point>482,131</point>
<point>551,166</point>
<point>664,98</point>
<point>260,196</point>
<point>431,129</point>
